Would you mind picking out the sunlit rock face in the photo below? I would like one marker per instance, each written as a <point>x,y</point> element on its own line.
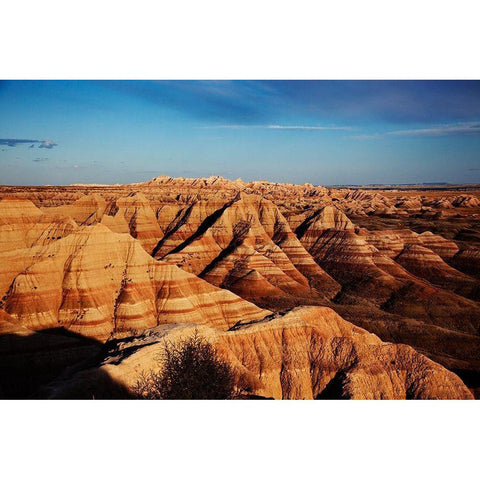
<point>310,352</point>
<point>98,283</point>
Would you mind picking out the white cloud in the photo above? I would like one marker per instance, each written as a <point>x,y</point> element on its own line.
<point>306,127</point>
<point>47,144</point>
<point>280,127</point>
<point>449,129</point>
<point>467,128</point>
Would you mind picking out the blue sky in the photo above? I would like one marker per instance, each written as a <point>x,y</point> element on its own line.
<point>322,132</point>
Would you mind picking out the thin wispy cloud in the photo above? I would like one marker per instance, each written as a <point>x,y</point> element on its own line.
<point>440,130</point>
<point>40,159</point>
<point>280,127</point>
<point>306,127</point>
<point>262,101</point>
<point>13,142</point>
<point>222,101</point>
<point>468,128</point>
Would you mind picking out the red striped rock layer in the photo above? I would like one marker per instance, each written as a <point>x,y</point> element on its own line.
<point>131,214</point>
<point>392,242</point>
<point>87,210</point>
<point>468,261</point>
<point>286,196</point>
<point>23,225</point>
<point>387,242</point>
<point>246,246</point>
<point>198,236</point>
<point>310,352</point>
<point>98,283</point>
<point>424,263</point>
<point>364,271</point>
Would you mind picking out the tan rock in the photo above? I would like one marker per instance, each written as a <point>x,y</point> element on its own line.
<point>307,353</point>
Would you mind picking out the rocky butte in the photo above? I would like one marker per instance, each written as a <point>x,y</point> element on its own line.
<point>307,291</point>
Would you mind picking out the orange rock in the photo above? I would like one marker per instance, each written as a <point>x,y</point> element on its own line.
<point>98,284</point>
<point>308,353</point>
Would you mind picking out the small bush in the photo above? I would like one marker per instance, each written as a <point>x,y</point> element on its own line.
<point>191,369</point>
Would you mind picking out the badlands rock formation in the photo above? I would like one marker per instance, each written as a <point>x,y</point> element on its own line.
<point>97,283</point>
<point>86,271</point>
<point>425,263</point>
<point>248,247</point>
<point>309,352</point>
<point>22,225</point>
